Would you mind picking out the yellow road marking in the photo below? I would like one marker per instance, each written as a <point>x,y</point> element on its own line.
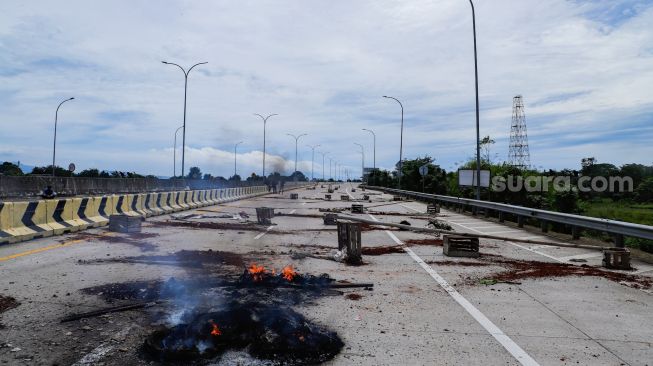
<point>49,247</point>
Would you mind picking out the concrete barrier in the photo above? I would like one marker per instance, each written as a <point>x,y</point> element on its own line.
<point>6,220</point>
<point>59,216</point>
<point>85,213</point>
<point>21,221</point>
<point>29,221</point>
<point>164,201</point>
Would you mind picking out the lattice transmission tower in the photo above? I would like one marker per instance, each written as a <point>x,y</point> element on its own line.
<point>518,155</point>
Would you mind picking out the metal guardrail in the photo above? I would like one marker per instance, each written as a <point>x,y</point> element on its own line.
<point>618,229</point>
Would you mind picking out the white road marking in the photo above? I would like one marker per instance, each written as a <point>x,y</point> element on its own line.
<point>502,232</point>
<point>539,246</point>
<point>643,269</point>
<point>582,256</point>
<point>489,227</point>
<point>98,353</point>
<point>517,352</point>
<point>259,236</point>
<point>303,203</point>
<point>410,208</point>
<point>350,196</point>
<point>293,211</point>
<point>465,222</point>
<point>533,237</point>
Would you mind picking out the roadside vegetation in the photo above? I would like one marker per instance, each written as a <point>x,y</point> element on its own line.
<point>632,204</point>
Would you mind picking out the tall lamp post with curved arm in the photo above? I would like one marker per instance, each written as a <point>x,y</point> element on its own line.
<point>324,154</point>
<point>373,145</point>
<point>265,120</point>
<point>401,138</point>
<point>313,159</point>
<point>174,154</point>
<point>54,145</point>
<point>478,136</point>
<point>235,155</point>
<point>296,141</point>
<point>183,151</point>
<point>362,160</point>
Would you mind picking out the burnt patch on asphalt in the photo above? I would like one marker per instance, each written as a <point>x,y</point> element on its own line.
<point>390,249</point>
<point>139,240</point>
<point>198,320</point>
<point>182,258</point>
<point>210,225</point>
<point>437,242</point>
<point>7,303</point>
<point>460,263</point>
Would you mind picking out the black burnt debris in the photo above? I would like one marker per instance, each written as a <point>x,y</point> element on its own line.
<point>204,318</point>
<point>252,314</point>
<point>265,331</point>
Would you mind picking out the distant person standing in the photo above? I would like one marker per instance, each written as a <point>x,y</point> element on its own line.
<point>48,193</point>
<point>281,184</point>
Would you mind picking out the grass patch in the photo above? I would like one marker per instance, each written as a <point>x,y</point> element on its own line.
<point>622,211</point>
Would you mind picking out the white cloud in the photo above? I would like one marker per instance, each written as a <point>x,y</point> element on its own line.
<point>583,68</point>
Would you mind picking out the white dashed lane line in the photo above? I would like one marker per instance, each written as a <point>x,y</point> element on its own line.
<point>513,348</point>
<point>259,236</point>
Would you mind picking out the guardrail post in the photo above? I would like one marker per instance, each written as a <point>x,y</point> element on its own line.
<point>487,213</point>
<point>575,232</point>
<point>618,240</point>
<point>501,219</point>
<point>520,221</point>
<point>544,225</point>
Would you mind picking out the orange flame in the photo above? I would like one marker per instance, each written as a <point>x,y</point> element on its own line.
<point>256,271</point>
<point>215,331</point>
<point>288,273</point>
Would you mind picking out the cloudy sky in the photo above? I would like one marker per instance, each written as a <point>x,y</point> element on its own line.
<point>584,68</point>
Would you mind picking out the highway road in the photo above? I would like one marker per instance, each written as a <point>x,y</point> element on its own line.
<point>516,304</point>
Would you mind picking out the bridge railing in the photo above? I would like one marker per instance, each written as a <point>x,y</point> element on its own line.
<point>617,229</point>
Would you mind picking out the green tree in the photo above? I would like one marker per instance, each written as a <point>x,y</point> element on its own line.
<point>89,173</point>
<point>47,170</point>
<point>8,168</point>
<point>644,192</point>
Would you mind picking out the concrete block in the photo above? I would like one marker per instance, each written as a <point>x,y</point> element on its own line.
<point>616,258</point>
<point>125,223</point>
<point>460,246</point>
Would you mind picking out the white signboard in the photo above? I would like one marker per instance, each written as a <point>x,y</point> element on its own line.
<point>467,177</point>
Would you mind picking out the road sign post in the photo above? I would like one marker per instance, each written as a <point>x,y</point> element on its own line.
<point>424,170</point>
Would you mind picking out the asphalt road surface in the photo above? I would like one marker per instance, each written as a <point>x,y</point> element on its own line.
<point>517,303</point>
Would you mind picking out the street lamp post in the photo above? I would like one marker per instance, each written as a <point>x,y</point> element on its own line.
<point>183,151</point>
<point>478,136</point>
<point>323,155</point>
<point>401,138</point>
<point>330,173</point>
<point>235,147</point>
<point>362,160</point>
<point>265,120</point>
<point>312,159</point>
<point>374,146</point>
<point>296,141</point>
<point>174,154</point>
<point>54,146</point>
